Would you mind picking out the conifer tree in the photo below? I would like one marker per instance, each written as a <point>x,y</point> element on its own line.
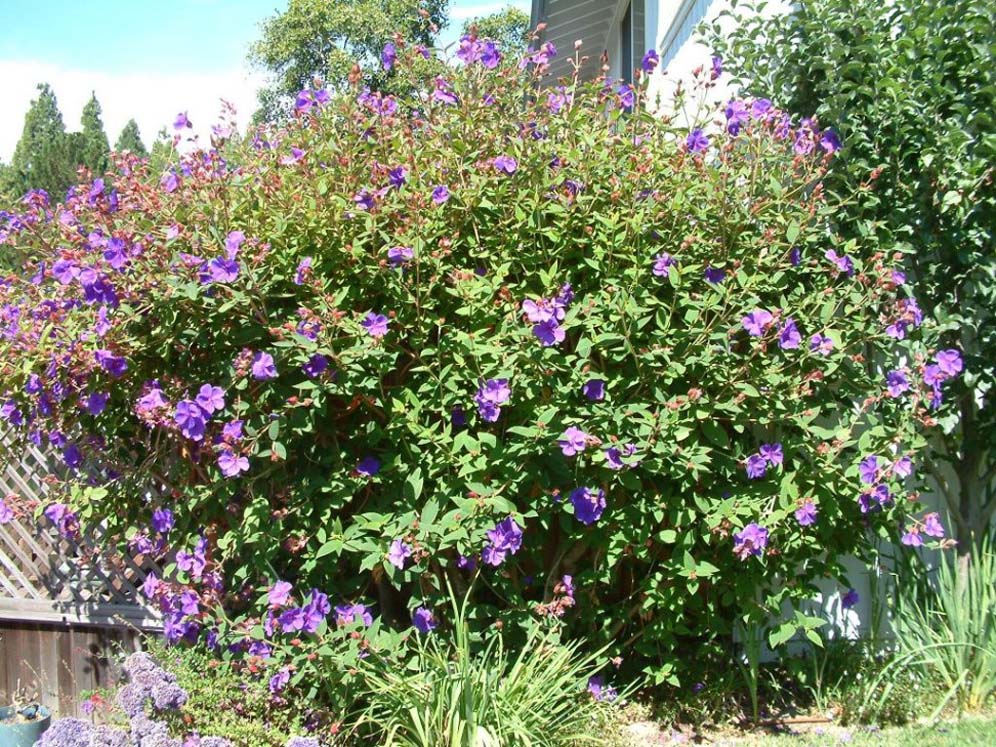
<point>131,140</point>
<point>43,158</point>
<point>95,148</point>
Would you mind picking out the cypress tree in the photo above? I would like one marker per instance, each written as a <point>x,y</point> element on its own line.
<point>131,140</point>
<point>43,156</point>
<point>95,149</point>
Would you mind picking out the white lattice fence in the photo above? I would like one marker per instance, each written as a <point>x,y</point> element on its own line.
<point>47,578</point>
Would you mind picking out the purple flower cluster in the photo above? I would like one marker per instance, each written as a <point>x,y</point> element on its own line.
<point>473,50</point>
<point>546,314</point>
<point>491,395</point>
<point>589,504</point>
<point>768,455</point>
<point>930,526</point>
<point>751,540</point>
<point>947,365</point>
<point>504,540</point>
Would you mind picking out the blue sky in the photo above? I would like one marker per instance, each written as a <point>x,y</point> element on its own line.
<point>146,59</point>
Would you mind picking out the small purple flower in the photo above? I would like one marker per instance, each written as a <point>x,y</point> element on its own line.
<point>279,681</point>
<point>897,383</point>
<point>210,399</point>
<point>650,61</point>
<point>820,343</point>
<point>191,419</point>
<point>505,539</point>
<point>6,512</point>
<point>594,389</point>
<point>491,394</point>
<point>912,537</point>
<point>574,441</point>
<point>849,599</point>
<point>388,55</point>
<point>114,365</point>
<point>316,365</point>
<point>232,431</point>
<point>505,164</point>
<point>868,470</point>
<point>232,464</point>
<point>589,504</point>
<point>443,92</point>
<point>772,453</point>
<point>96,402</point>
<point>697,141</point>
<point>806,513</point>
<point>715,275</point>
<point>789,337</point>
<point>756,322</point>
<point>757,466</point>
<point>375,324</point>
<point>949,362</point>
<point>347,614</point>
<point>440,194</point>
<point>303,270</point>
<point>162,520</point>
<point>397,177</point>
<point>398,553</point>
<point>368,466</point>
<point>399,255</point>
<point>600,691</point>
<point>902,467</point>
<point>829,141</point>
<point>279,594</point>
<point>181,122</point>
<point>263,366</point>
<point>423,620</point>
<point>932,526</point>
<point>663,264</point>
<point>549,333</point>
<point>843,263</point>
<point>751,540</point>
<point>717,67</point>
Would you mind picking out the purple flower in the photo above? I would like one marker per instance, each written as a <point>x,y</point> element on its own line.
<point>397,177</point>
<point>789,337</point>
<point>663,264</point>
<point>751,540</point>
<point>6,512</point>
<point>912,537</point>
<point>697,142</point>
<point>96,402</point>
<point>114,365</point>
<point>850,599</point>
<point>303,270</point>
<point>162,520</point>
<point>600,691</point>
<point>232,431</point>
<point>736,116</point>
<point>589,504</point>
<point>829,141</point>
<point>316,365</point>
<point>263,366</point>
<point>181,121</point>
<point>843,263</point>
<point>490,56</point>
<point>715,275</point>
<point>364,199</point>
<point>594,389</point>
<point>222,270</point>
<point>347,614</point>
<point>399,255</point>
<point>902,467</point>
<point>650,61</point>
<point>315,611</point>
<point>232,464</point>
<point>949,362</point>
<point>897,383</point>
<point>368,466</point>
<point>717,67</point>
<point>388,55</point>
<point>491,394</point>
<point>868,470</point>
<point>505,164</point>
<point>423,620</point>
<point>820,343</point>
<point>756,322</point>
<point>574,441</point>
<point>614,456</point>
<point>210,398</point>
<point>772,453</point>
<point>505,539</point>
<point>440,194</point>
<point>549,333</point>
<point>806,513</point>
<point>757,466</point>
<point>443,92</point>
<point>375,324</point>
<point>932,525</point>
<point>279,681</point>
<point>307,100</point>
<point>191,419</point>
<point>398,553</point>
<point>279,594</point>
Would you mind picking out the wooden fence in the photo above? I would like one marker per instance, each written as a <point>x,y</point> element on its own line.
<point>69,607</point>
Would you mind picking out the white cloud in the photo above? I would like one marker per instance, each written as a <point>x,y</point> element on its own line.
<point>152,99</point>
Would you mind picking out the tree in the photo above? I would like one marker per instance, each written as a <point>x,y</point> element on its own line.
<point>162,153</point>
<point>131,140</point>
<point>43,157</point>
<point>325,38</point>
<point>508,27</point>
<point>911,89</point>
<point>94,146</point>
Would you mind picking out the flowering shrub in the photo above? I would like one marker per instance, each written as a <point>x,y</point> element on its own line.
<point>618,374</point>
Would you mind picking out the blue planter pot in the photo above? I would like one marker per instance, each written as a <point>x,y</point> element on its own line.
<point>24,733</point>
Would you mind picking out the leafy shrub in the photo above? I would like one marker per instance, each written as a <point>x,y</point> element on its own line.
<point>626,369</point>
<point>911,88</point>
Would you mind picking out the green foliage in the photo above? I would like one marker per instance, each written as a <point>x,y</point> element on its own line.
<point>464,693</point>
<point>509,27</point>
<point>94,150</point>
<point>911,88</point>
<point>946,627</point>
<point>44,156</point>
<point>130,140</point>
<point>282,246</point>
<point>324,39</point>
<point>229,703</point>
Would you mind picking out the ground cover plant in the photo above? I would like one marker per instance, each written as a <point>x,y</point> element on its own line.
<point>600,372</point>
